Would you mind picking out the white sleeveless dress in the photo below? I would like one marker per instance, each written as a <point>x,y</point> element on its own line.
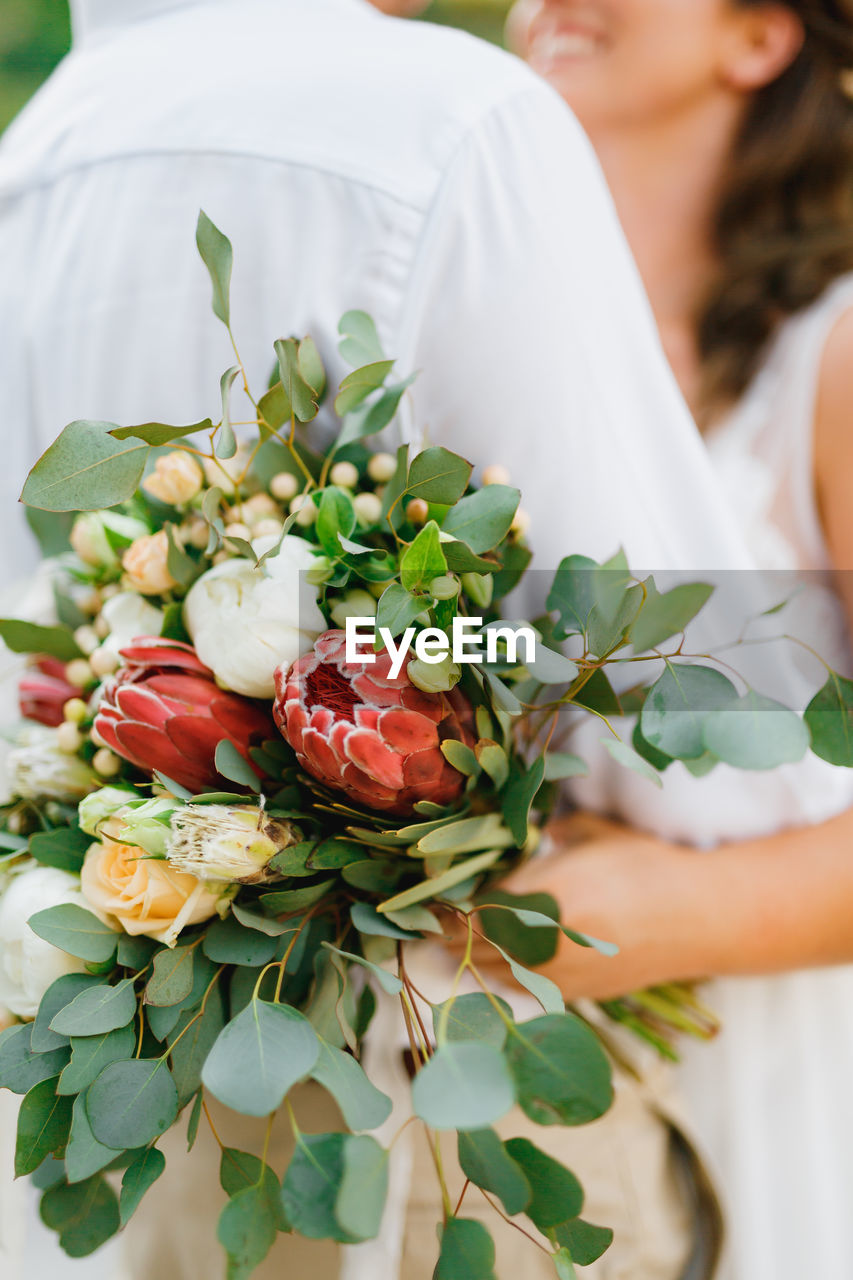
<point>772,1097</point>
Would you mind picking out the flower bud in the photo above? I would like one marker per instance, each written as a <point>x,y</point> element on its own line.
<point>227,842</point>
<point>196,532</point>
<point>381,467</point>
<point>520,523</point>
<point>284,486</point>
<point>355,604</point>
<point>105,763</point>
<point>75,710</point>
<point>100,805</point>
<point>344,474</point>
<point>268,528</point>
<point>176,479</point>
<point>368,508</point>
<point>40,768</point>
<point>69,738</point>
<point>434,677</point>
<point>86,638</point>
<point>78,672</point>
<point>495,474</point>
<point>444,588</point>
<point>479,587</point>
<point>223,473</point>
<point>238,530</point>
<point>304,509</point>
<point>104,661</point>
<point>146,564</point>
<point>89,536</point>
<point>417,511</point>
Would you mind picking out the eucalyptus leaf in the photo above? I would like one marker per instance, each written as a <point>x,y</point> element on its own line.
<point>137,1178</point>
<point>362,1105</point>
<point>75,930</point>
<point>259,1056</point>
<point>519,795</point>
<point>585,1241</point>
<point>247,1229</point>
<point>438,885</point>
<point>560,1071</point>
<point>572,594</point>
<point>63,847</point>
<point>467,1251</point>
<point>667,614</point>
<point>85,469</point>
<point>363,1188</point>
<point>159,433</point>
<point>472,1016</point>
<point>20,1067</point>
<point>829,717</point>
<point>30,637</point>
<point>226,444</point>
<point>132,1103</point>
<point>630,759</point>
<point>84,1214</point>
<point>217,255</point>
<point>483,519</point>
<point>388,981</point>
<point>58,995</point>
<point>423,559</point>
<point>96,1010</point>
<point>302,397</point>
<point>465,1085</point>
<point>556,1192</point>
<point>487,1162</point>
<point>233,766</point>
<point>90,1054</point>
<point>360,345</point>
<point>310,1187</point>
<point>437,475</point>
<point>676,707</point>
<point>84,1155</point>
<point>44,1121</point>
<point>171,978</point>
<point>397,609</point>
<point>756,733</point>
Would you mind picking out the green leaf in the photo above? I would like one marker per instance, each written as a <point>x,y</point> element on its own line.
<point>423,559</point>
<point>311,1185</point>
<point>564,1266</point>
<point>486,1162</point>
<point>551,667</point>
<point>561,1073</point>
<point>97,1010</point>
<point>465,1085</point>
<point>376,875</point>
<point>137,1178</point>
<point>363,1188</point>
<point>359,384</point>
<point>75,930</point>
<point>585,1241</point>
<point>572,594</point>
<point>20,1068</point>
<point>58,995</point>
<point>246,1230</point>
<point>302,397</point>
<point>561,764</point>
<point>233,766</point>
<point>598,695</point>
<point>53,533</point>
<point>162,1019</point>
<point>44,1121</point>
<point>397,609</point>
<point>486,831</point>
<point>90,1054</point>
<point>171,980</point>
<point>438,885</point>
<point>226,444</point>
<point>159,433</point>
<point>380,413</point>
<point>631,759</point>
<point>217,255</point>
<point>503,697</point>
<point>525,925</point>
<point>228,942</point>
<point>519,795</point>
<point>85,1215</point>
<point>676,706</point>
<point>461,559</point>
<point>259,1056</point>
<point>482,520</point>
<point>361,343</point>
<point>437,475</point>
<point>467,1251</point>
<point>195,1117</point>
<point>335,515</point>
<point>667,614</point>
<point>367,920</point>
<point>829,717</point>
<point>294,899</point>
<point>556,1192</point>
<point>263,924</point>
<point>63,847</point>
<point>311,366</point>
<point>193,1038</point>
<point>460,756</point>
<point>362,1105</point>
<point>388,981</point>
<point>85,469</point>
<point>756,733</point>
<point>132,1103</point>
<point>29,637</point>
<point>84,1155</point>
<point>471,1017</point>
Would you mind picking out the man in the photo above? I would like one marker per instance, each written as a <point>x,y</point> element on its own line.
<point>354,161</point>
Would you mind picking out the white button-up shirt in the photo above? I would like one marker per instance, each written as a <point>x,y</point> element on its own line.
<point>355,161</point>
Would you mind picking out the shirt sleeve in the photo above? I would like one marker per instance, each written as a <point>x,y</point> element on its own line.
<point>538,350</point>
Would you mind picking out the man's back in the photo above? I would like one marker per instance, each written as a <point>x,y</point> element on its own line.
<point>354,161</point>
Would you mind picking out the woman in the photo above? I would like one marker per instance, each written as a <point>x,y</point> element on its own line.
<point>726,133</point>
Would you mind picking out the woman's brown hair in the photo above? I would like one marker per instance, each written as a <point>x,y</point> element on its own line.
<point>784,221</point>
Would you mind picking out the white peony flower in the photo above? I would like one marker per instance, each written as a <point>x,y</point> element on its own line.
<point>227,842</point>
<point>129,615</point>
<point>244,622</point>
<point>28,964</point>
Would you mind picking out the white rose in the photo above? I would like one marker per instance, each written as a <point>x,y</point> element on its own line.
<point>28,964</point>
<point>129,615</point>
<point>244,622</point>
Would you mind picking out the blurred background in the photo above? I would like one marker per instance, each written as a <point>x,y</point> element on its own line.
<point>34,34</point>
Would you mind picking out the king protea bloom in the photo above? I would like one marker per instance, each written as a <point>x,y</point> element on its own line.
<point>227,842</point>
<point>373,736</point>
<point>164,711</point>
<point>43,691</point>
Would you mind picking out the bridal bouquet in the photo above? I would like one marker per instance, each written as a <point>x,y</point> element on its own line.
<point>279,732</point>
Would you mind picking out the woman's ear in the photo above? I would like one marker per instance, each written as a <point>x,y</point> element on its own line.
<point>763,41</point>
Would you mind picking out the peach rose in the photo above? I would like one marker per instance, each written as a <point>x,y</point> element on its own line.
<point>142,894</point>
<point>176,478</point>
<point>146,564</point>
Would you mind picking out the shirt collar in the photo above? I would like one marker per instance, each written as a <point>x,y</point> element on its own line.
<point>90,17</point>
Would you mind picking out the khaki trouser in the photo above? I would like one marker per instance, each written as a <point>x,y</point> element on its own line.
<point>631,1163</point>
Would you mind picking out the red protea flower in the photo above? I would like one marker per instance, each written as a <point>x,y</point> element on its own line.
<point>164,711</point>
<point>43,691</point>
<point>373,736</point>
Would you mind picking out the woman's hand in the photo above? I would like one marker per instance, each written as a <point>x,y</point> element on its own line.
<point>622,886</point>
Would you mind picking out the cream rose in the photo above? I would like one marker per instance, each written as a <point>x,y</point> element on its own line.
<point>146,564</point>
<point>176,478</point>
<point>145,895</point>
